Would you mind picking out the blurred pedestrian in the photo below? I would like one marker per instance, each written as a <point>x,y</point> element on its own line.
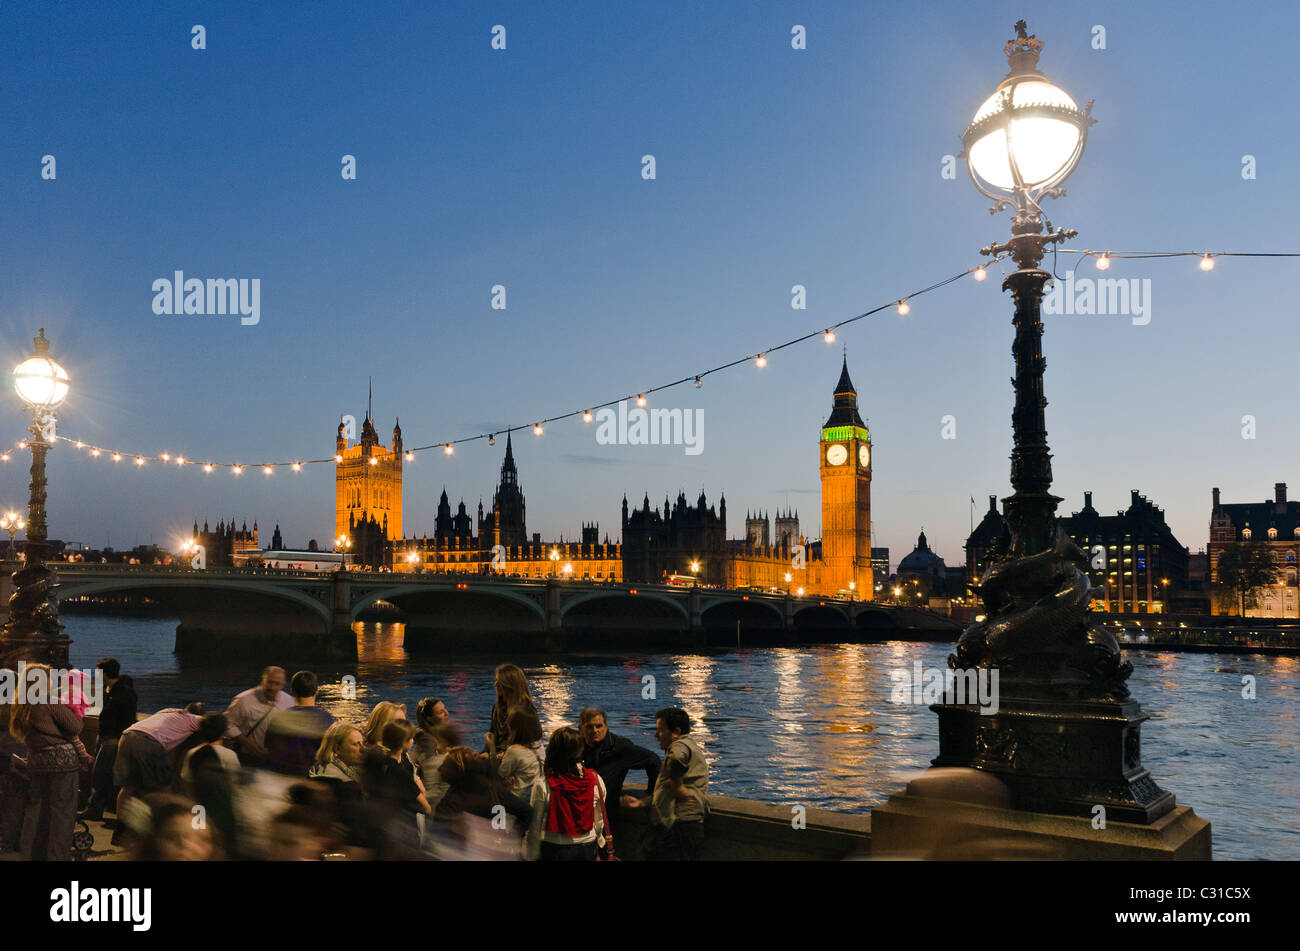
<point>384,713</point>
<point>294,734</point>
<point>51,730</point>
<point>250,713</point>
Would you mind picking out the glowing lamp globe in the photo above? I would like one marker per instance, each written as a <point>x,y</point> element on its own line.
<point>40,382</point>
<point>1027,137</point>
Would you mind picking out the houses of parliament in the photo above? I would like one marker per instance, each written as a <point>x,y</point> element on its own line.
<point>655,543</point>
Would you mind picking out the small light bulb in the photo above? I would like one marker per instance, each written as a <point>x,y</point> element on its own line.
<point>830,336</point>
<point>79,445</point>
<point>338,458</point>
<point>698,383</point>
<point>903,308</point>
<point>980,273</point>
<point>410,457</point>
<point>180,460</point>
<point>374,460</point>
<point>166,458</point>
<point>139,460</point>
<point>266,469</point>
<point>537,429</point>
<point>94,452</point>
<point>1207,263</point>
<point>4,457</point>
<point>207,467</point>
<point>761,361</point>
<point>492,439</point>
<point>238,470</point>
<point>1103,262</point>
<point>586,415</point>
<point>640,399</point>
<point>297,467</point>
<point>117,457</point>
<point>448,449</point>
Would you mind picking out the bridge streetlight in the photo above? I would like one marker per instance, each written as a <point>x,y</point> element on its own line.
<point>33,631</point>
<point>555,557</point>
<point>695,573</point>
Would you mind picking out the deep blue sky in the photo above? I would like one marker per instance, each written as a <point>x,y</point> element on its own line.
<point>522,167</point>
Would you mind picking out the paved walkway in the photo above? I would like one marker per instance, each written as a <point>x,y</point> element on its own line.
<point>102,851</point>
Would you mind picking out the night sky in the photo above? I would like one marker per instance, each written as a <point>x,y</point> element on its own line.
<point>522,168</point>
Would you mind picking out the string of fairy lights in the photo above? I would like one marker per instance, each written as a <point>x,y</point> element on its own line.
<point>1102,259</point>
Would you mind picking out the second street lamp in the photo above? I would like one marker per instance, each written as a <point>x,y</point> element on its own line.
<point>33,632</point>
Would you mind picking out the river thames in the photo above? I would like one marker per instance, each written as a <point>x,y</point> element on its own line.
<point>809,725</point>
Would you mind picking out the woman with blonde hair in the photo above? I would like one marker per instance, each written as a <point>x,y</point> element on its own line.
<point>385,712</point>
<point>55,755</point>
<point>341,754</point>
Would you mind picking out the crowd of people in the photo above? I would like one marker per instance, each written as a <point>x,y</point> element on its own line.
<point>277,777</point>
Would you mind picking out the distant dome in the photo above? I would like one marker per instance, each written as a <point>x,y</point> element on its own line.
<point>922,561</point>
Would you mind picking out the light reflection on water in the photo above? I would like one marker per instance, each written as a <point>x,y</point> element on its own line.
<point>809,726</point>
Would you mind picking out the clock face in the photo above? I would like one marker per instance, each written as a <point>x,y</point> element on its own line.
<point>864,456</point>
<point>836,455</point>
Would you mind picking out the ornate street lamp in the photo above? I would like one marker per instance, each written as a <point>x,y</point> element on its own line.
<point>13,523</point>
<point>33,631</point>
<point>1065,738</point>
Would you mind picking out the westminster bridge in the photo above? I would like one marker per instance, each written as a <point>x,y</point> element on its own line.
<point>222,610</point>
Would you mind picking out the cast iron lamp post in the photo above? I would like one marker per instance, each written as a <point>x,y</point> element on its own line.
<point>33,632</point>
<point>13,523</point>
<point>1065,736</point>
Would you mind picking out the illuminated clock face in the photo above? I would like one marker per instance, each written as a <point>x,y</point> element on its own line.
<point>836,455</point>
<point>864,456</point>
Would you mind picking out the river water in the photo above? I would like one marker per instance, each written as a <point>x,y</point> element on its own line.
<point>811,726</point>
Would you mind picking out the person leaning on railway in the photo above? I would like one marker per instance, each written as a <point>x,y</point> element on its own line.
<point>680,801</point>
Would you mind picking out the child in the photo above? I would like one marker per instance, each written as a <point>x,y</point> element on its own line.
<point>569,821</point>
<point>521,766</point>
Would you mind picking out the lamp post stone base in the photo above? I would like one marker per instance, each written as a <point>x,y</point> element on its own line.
<point>1066,758</point>
<point>920,822</point>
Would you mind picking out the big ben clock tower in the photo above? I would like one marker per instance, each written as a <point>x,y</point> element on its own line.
<point>846,496</point>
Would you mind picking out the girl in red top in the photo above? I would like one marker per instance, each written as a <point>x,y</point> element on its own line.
<point>569,821</point>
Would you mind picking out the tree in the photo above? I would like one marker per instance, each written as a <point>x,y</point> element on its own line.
<point>1244,568</point>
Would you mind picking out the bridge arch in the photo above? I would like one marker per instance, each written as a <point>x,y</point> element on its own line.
<point>678,604</point>
<point>396,594</point>
<point>159,587</point>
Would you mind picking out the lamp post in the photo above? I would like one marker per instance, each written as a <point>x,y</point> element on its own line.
<point>14,523</point>
<point>555,561</point>
<point>33,632</point>
<point>1065,737</point>
<point>695,574</point>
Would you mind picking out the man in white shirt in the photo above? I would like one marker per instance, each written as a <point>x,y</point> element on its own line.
<point>250,713</point>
